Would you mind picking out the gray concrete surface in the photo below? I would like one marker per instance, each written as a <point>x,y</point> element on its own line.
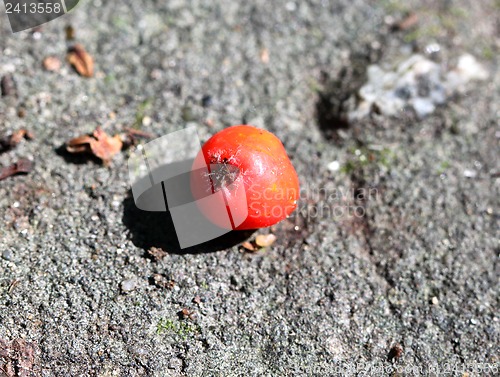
<point>419,269</point>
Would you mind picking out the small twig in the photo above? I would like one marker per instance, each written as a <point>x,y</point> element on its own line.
<point>23,166</point>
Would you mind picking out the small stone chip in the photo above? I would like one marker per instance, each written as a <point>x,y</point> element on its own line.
<point>186,313</point>
<point>264,55</point>
<point>128,285</point>
<point>52,64</point>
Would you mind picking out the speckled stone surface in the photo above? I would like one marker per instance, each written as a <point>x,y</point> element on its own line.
<point>417,265</point>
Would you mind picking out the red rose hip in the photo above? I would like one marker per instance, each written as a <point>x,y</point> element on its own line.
<point>251,169</point>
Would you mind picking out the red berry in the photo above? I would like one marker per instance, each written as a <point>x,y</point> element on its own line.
<point>251,169</point>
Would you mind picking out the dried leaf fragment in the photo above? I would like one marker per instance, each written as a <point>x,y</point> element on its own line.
<point>7,86</point>
<point>11,140</point>
<point>99,144</point>
<point>105,147</point>
<point>19,135</point>
<point>265,240</point>
<point>156,253</point>
<point>261,241</point>
<point>407,23</point>
<point>23,166</point>
<point>70,33</point>
<point>81,60</point>
<point>248,246</point>
<point>51,63</point>
<point>395,352</point>
<point>132,136</point>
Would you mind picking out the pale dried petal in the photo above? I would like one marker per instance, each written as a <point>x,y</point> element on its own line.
<point>265,240</point>
<point>248,246</point>
<point>81,60</point>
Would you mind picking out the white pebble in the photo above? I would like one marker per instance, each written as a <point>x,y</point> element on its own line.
<point>333,166</point>
<point>469,173</point>
<point>128,285</point>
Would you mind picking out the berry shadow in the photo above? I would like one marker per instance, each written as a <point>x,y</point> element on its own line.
<point>156,228</point>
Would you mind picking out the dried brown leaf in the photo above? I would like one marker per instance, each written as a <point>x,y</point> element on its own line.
<point>99,144</point>
<point>21,112</point>
<point>132,136</point>
<point>8,86</point>
<point>395,352</point>
<point>408,22</point>
<point>23,166</point>
<point>265,240</point>
<point>70,33</point>
<point>11,140</point>
<point>81,60</point>
<point>139,133</point>
<point>104,146</point>
<point>78,148</point>
<point>84,139</point>
<point>248,246</point>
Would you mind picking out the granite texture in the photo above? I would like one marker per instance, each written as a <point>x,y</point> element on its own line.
<point>408,283</point>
